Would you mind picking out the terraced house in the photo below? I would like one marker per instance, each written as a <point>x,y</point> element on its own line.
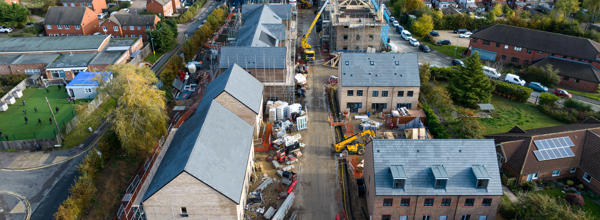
<point>96,5</point>
<point>70,21</point>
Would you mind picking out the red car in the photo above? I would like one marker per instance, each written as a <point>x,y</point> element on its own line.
<point>562,93</point>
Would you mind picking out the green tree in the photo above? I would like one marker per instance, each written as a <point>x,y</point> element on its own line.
<point>163,39</point>
<point>466,126</point>
<point>403,6</point>
<point>593,6</point>
<point>174,64</point>
<point>424,73</point>
<point>13,15</point>
<point>566,7</point>
<point>497,10</point>
<point>140,117</point>
<point>469,85</point>
<point>546,75</point>
<point>423,26</point>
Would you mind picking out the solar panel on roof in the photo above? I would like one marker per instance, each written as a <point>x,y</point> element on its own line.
<point>553,148</point>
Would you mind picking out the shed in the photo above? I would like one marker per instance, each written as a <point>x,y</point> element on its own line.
<point>486,107</point>
<point>84,85</point>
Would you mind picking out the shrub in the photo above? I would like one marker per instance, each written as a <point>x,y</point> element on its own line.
<point>548,99</point>
<point>580,186</point>
<point>528,186</point>
<point>512,91</point>
<point>434,124</point>
<point>575,199</point>
<point>559,114</point>
<point>124,4</point>
<point>579,106</point>
<point>441,73</point>
<point>507,209</point>
<point>545,75</point>
<point>570,182</point>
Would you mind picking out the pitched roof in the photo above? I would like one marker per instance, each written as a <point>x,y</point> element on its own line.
<point>380,69</point>
<point>262,28</point>
<point>239,84</point>
<point>282,10</point>
<point>8,59</point>
<point>571,68</point>
<point>519,134</point>
<point>213,145</point>
<point>65,15</point>
<point>451,158</point>
<point>126,19</point>
<point>253,57</point>
<point>89,79</point>
<point>162,2</point>
<point>540,40</point>
<point>52,44</point>
<point>591,153</point>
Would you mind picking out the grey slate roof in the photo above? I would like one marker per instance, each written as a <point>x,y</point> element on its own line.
<point>380,69</point>
<point>213,145</point>
<point>240,85</point>
<point>72,60</point>
<point>572,68</point>
<point>65,15</point>
<point>540,40</point>
<point>419,156</point>
<point>262,28</point>
<point>126,19</point>
<point>8,59</point>
<point>282,10</point>
<point>36,59</point>
<point>253,57</point>
<point>51,44</point>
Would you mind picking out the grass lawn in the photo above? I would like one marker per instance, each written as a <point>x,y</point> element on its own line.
<point>509,113</point>
<point>447,49</point>
<point>589,207</point>
<point>12,121</point>
<point>93,120</point>
<point>153,58</point>
<point>591,95</point>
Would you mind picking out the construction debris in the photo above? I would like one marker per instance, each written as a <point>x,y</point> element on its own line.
<point>287,204</point>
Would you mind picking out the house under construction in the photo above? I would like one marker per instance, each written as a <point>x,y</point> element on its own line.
<point>353,26</point>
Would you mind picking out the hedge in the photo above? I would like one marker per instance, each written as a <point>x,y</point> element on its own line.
<point>512,91</point>
<point>579,106</point>
<point>548,99</point>
<point>441,73</point>
<point>559,114</point>
<point>434,124</point>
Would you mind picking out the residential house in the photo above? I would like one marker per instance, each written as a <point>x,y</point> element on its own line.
<point>523,46</point>
<point>84,85</point>
<point>445,3</point>
<point>239,92</point>
<point>432,179</point>
<point>378,82</point>
<point>205,172</point>
<point>12,1</point>
<point>552,153</point>
<point>70,21</point>
<point>96,5</point>
<point>163,7</point>
<point>573,74</point>
<point>127,25</point>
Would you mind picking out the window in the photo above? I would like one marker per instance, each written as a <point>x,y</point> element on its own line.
<point>67,26</point>
<point>482,217</point>
<point>486,42</point>
<point>184,212</point>
<point>443,217</point>
<point>65,4</point>
<point>126,36</point>
<point>403,217</point>
<point>577,80</point>
<point>565,78</point>
<point>446,201</point>
<point>428,202</point>
<point>540,52</point>
<point>131,28</point>
<point>587,177</point>
<point>345,48</point>
<point>386,217</point>
<point>139,28</point>
<point>59,26</point>
<point>90,5</point>
<point>358,37</point>
<point>409,93</point>
<point>147,27</point>
<point>350,93</point>
<point>375,93</point>
<point>48,27</point>
<point>572,170</point>
<point>72,4</point>
<point>88,90</point>
<point>518,49</point>
<point>474,40</point>
<point>359,93</point>
<point>503,57</point>
<point>506,46</point>
<point>354,106</point>
<point>371,37</point>
<point>556,173</point>
<point>77,27</point>
<point>57,73</point>
<point>406,105</point>
<point>399,183</point>
<point>426,217</point>
<point>400,93</point>
<point>104,28</point>
<point>345,37</point>
<point>440,184</point>
<point>514,59</point>
<point>497,44</point>
<point>465,217</point>
<point>388,202</point>
<point>384,93</point>
<point>32,71</point>
<point>532,176</point>
<point>482,183</point>
<point>469,202</point>
<point>115,28</point>
<point>405,202</point>
<point>486,202</point>
<point>528,51</point>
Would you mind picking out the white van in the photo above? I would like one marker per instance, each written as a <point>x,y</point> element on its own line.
<point>405,35</point>
<point>491,72</point>
<point>512,78</point>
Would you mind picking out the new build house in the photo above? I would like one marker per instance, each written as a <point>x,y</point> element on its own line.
<point>432,179</point>
<point>378,82</point>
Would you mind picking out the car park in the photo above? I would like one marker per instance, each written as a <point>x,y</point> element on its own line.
<point>414,42</point>
<point>460,31</point>
<point>465,35</point>
<point>405,35</point>
<point>512,78</point>
<point>434,34</point>
<point>538,87</point>
<point>491,72</point>
<point>457,62</point>
<point>562,93</point>
<point>424,48</point>
<point>444,42</point>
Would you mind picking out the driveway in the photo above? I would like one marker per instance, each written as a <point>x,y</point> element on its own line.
<point>452,37</point>
<point>401,46</point>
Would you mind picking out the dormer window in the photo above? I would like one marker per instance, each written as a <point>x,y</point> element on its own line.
<point>398,176</point>
<point>440,175</point>
<point>440,183</point>
<point>481,175</point>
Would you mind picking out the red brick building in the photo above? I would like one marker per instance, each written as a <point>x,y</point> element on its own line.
<point>95,5</point>
<point>12,1</point>
<point>552,153</point>
<point>432,179</point>
<point>70,21</point>
<point>523,46</point>
<point>163,7</point>
<point>127,25</point>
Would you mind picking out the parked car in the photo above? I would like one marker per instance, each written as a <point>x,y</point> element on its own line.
<point>457,62</point>
<point>395,23</point>
<point>405,35</point>
<point>399,29</point>
<point>434,34</point>
<point>392,18</point>
<point>465,35</point>
<point>460,31</point>
<point>562,93</point>
<point>5,30</point>
<point>414,42</point>
<point>538,87</point>
<point>444,42</point>
<point>491,72</point>
<point>425,48</point>
<point>512,78</point>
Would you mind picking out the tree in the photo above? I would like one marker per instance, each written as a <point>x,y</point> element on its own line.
<point>497,11</point>
<point>163,39</point>
<point>466,126</point>
<point>13,15</point>
<point>423,25</point>
<point>566,7</point>
<point>404,6</point>
<point>424,73</point>
<point>546,75</point>
<point>174,64</point>
<point>469,85</point>
<point>140,117</point>
<point>593,6</point>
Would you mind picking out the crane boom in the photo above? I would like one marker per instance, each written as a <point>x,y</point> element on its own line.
<point>304,40</point>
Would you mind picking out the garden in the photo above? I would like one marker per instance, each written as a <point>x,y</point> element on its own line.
<point>509,113</point>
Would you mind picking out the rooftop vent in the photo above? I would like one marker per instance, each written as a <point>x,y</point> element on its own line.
<point>482,176</point>
<point>398,176</point>
<point>347,62</point>
<point>441,176</point>
<point>372,63</point>
<point>397,62</point>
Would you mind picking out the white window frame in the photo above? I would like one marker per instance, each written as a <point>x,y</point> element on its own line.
<point>48,26</point>
<point>89,5</point>
<point>78,27</point>
<point>518,49</point>
<point>573,170</point>
<point>65,4</point>
<point>556,172</point>
<point>506,46</point>
<point>139,28</point>
<point>131,28</point>
<point>104,28</point>
<point>586,179</point>
<point>482,217</point>
<point>72,4</point>
<point>67,26</point>
<point>116,28</point>
<point>59,26</point>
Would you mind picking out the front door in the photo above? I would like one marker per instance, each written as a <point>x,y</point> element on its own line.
<point>378,107</point>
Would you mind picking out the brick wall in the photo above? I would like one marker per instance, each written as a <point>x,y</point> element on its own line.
<point>4,69</point>
<point>357,38</point>
<point>166,10</point>
<point>573,83</point>
<point>395,95</point>
<point>20,68</point>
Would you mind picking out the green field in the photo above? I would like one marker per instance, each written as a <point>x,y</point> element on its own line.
<point>12,122</point>
<point>509,113</point>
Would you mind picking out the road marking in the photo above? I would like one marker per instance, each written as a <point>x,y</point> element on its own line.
<point>23,199</point>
